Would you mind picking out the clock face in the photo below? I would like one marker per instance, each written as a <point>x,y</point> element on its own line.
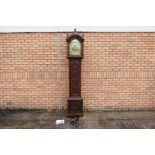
<point>75,48</point>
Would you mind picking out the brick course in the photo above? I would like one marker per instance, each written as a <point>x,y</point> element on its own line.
<point>117,70</point>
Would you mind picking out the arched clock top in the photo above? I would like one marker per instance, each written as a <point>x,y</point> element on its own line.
<point>75,45</point>
<point>75,36</point>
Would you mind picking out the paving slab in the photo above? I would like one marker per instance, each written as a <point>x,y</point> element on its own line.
<point>41,119</point>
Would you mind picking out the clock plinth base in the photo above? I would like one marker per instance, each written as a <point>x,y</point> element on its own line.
<point>75,107</point>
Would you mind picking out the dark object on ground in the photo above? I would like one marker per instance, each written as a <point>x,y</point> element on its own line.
<point>75,122</point>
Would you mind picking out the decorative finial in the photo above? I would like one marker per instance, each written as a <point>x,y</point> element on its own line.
<point>74,30</point>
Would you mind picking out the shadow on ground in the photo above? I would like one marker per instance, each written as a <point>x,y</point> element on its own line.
<point>39,119</point>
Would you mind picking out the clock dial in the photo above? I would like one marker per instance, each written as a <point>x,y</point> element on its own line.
<point>75,47</point>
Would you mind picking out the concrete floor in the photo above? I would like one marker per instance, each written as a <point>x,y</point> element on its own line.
<point>38,119</point>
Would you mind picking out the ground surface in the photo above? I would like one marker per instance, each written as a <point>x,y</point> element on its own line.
<point>91,120</point>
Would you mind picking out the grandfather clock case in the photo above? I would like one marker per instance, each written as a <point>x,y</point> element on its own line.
<point>75,55</point>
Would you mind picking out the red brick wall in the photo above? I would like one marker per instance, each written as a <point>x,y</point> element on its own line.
<point>118,71</point>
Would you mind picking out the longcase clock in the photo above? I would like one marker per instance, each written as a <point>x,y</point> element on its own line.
<point>75,55</point>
